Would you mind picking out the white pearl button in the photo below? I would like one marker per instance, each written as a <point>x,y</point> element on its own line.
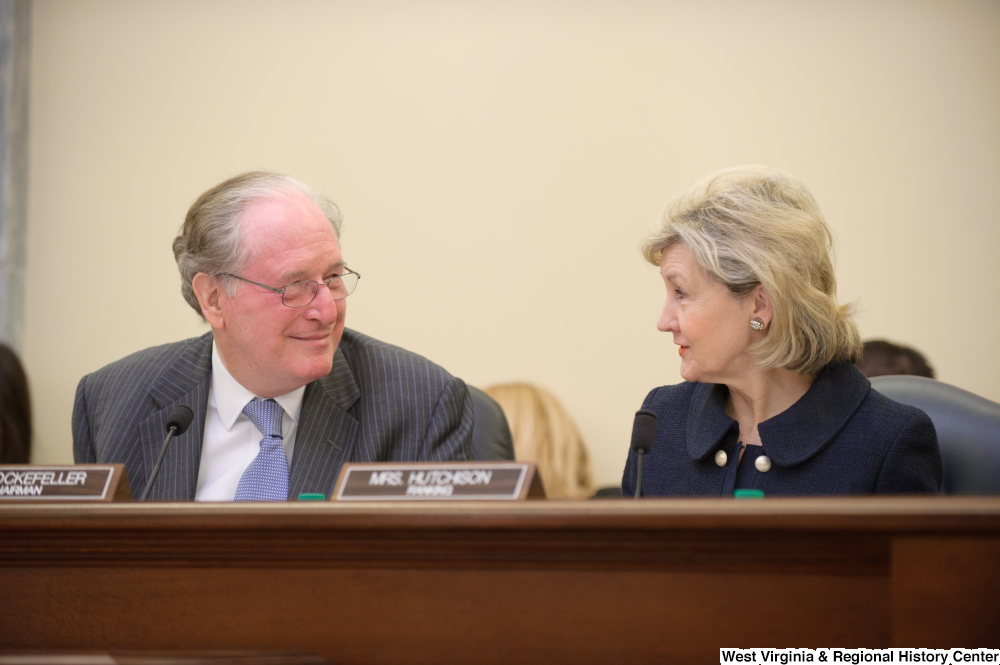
<point>763,463</point>
<point>721,458</point>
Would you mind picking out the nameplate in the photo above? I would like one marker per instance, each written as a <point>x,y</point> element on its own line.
<point>81,482</point>
<point>438,481</point>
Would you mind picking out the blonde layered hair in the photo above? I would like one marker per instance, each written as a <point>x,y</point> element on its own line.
<point>544,433</point>
<point>751,225</point>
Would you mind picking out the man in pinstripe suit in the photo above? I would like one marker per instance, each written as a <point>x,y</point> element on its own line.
<point>260,261</point>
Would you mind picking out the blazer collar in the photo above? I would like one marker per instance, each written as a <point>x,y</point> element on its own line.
<point>340,386</point>
<point>708,421</point>
<point>184,382</point>
<point>193,366</point>
<point>324,441</point>
<point>327,429</point>
<point>793,435</point>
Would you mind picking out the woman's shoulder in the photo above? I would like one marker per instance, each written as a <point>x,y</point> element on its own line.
<point>890,412</point>
<point>849,396</point>
<point>679,394</point>
<point>905,436</point>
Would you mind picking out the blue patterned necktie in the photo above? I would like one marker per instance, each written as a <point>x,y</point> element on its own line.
<point>266,479</point>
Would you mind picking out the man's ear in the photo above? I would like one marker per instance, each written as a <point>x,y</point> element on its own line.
<point>762,308</point>
<point>208,290</point>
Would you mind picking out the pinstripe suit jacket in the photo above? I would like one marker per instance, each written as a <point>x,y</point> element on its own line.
<point>379,403</point>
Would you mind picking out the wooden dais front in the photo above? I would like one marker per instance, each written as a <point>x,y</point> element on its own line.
<point>548,581</point>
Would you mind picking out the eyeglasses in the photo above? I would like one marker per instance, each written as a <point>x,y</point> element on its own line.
<point>300,294</point>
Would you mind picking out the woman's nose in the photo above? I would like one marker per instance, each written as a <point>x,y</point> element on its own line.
<point>667,321</point>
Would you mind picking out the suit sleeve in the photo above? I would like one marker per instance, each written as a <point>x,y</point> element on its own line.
<point>83,444</point>
<point>913,465</point>
<point>449,436</point>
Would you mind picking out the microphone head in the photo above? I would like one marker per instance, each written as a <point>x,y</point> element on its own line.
<point>180,418</point>
<point>644,431</point>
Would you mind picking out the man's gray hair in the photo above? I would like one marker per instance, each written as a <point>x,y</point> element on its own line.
<point>211,238</point>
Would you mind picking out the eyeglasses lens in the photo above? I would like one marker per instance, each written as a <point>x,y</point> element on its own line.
<point>344,286</point>
<point>300,294</point>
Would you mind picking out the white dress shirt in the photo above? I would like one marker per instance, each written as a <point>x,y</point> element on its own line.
<point>231,441</point>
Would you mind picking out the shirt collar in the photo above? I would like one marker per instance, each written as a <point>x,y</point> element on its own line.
<point>795,434</point>
<point>230,396</point>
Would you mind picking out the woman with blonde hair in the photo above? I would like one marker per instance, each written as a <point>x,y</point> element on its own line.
<point>545,434</point>
<point>772,400</point>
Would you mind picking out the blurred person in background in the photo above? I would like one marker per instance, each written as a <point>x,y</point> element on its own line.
<point>545,434</point>
<point>881,358</point>
<point>15,410</point>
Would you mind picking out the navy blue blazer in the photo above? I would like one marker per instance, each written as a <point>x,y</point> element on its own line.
<point>841,437</point>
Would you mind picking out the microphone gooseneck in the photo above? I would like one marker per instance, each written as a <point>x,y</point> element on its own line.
<point>643,437</point>
<point>177,423</point>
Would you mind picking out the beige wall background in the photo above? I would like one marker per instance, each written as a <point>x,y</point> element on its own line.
<point>497,164</point>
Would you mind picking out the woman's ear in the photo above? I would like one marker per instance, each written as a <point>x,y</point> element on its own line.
<point>208,289</point>
<point>762,308</point>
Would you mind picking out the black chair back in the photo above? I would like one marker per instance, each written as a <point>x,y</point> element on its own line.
<point>490,433</point>
<point>968,430</point>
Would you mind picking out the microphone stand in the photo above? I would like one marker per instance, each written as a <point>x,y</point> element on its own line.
<point>159,460</point>
<point>638,474</point>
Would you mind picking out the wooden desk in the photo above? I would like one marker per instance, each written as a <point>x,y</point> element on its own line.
<point>546,581</point>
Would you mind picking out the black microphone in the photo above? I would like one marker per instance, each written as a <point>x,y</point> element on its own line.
<point>177,422</point>
<point>643,436</point>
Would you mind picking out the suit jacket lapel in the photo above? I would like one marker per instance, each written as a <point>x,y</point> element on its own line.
<point>185,382</point>
<point>327,431</point>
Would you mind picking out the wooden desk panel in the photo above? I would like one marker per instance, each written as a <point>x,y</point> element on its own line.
<point>572,582</point>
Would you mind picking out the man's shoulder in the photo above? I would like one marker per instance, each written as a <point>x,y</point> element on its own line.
<point>374,356</point>
<point>152,360</point>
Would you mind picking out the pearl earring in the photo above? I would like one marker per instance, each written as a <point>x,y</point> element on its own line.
<point>757,324</point>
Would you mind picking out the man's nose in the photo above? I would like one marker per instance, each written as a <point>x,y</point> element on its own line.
<point>323,307</point>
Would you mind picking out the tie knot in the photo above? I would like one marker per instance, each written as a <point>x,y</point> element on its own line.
<point>266,416</point>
